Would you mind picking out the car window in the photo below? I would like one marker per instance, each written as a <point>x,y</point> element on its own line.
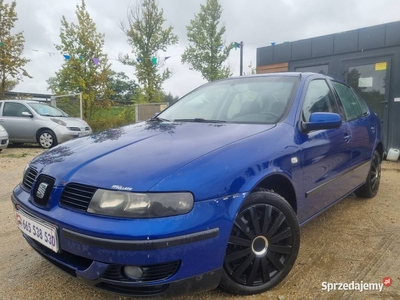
<point>363,105</point>
<point>350,102</point>
<point>318,98</point>
<point>12,109</point>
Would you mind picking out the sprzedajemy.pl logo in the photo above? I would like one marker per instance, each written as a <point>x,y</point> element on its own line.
<point>356,286</point>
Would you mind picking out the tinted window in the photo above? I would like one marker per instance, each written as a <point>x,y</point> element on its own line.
<point>350,103</point>
<point>318,99</point>
<point>363,105</point>
<point>14,109</point>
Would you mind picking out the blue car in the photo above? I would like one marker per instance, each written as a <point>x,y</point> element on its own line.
<point>210,192</point>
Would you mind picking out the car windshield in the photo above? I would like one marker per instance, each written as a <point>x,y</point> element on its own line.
<point>47,110</point>
<point>240,100</point>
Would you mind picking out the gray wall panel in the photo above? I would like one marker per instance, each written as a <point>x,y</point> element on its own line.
<point>282,52</point>
<point>301,49</point>
<point>322,46</point>
<point>371,37</point>
<point>346,42</point>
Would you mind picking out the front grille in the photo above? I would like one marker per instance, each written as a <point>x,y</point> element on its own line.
<point>77,196</point>
<point>42,191</point>
<point>150,273</point>
<point>29,178</point>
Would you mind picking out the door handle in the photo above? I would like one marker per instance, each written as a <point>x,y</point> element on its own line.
<point>346,137</point>
<point>1,120</point>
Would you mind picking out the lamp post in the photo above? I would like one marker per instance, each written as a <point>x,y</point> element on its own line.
<point>240,45</point>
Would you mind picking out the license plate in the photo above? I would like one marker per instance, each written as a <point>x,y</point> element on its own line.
<point>39,230</point>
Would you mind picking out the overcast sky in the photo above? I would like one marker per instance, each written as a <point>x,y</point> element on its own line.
<point>255,22</point>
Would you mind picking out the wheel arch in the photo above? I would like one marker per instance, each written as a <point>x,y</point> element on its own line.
<point>40,130</point>
<point>281,185</point>
<point>380,149</point>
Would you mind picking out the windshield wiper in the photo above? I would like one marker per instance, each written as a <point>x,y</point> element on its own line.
<point>156,118</point>
<point>199,120</point>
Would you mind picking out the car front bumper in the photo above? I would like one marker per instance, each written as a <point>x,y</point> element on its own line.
<point>3,141</point>
<point>188,261</point>
<point>63,134</point>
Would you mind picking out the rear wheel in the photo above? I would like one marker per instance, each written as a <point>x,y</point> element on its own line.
<point>371,186</point>
<point>47,139</point>
<point>263,245</point>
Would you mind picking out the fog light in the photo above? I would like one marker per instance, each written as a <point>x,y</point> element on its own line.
<point>133,272</point>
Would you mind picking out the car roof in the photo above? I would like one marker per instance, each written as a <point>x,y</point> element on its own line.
<point>282,74</point>
<point>20,101</point>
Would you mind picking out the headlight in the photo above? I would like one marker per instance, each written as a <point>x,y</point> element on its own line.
<point>2,128</point>
<point>138,205</point>
<point>58,121</point>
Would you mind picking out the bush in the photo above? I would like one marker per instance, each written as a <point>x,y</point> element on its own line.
<point>110,118</point>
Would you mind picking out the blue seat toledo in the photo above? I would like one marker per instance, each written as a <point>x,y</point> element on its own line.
<point>210,192</point>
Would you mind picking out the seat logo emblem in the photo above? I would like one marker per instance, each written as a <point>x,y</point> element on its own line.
<point>41,191</point>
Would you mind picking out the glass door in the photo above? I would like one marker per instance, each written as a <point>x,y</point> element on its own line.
<point>371,79</point>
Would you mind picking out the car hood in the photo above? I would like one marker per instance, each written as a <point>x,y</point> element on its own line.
<point>136,157</point>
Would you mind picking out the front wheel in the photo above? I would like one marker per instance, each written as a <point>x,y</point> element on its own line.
<point>263,245</point>
<point>370,188</point>
<point>47,139</point>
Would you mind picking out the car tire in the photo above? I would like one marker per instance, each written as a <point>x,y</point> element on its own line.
<point>370,188</point>
<point>47,139</point>
<point>263,245</point>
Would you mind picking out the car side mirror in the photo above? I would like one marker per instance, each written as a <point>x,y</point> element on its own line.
<point>27,114</point>
<point>321,120</point>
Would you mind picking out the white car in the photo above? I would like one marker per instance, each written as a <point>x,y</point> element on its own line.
<point>3,138</point>
<point>36,122</point>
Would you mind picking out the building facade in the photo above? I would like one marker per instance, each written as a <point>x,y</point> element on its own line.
<point>368,59</point>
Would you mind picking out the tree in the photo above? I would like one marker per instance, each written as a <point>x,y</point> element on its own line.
<point>170,99</point>
<point>147,36</point>
<point>206,52</point>
<point>11,47</point>
<point>124,88</point>
<point>86,68</point>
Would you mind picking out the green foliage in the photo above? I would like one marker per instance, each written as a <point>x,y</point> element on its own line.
<point>253,70</point>
<point>124,88</point>
<point>116,116</point>
<point>206,52</point>
<point>11,47</point>
<point>146,35</point>
<point>79,73</point>
<point>170,99</point>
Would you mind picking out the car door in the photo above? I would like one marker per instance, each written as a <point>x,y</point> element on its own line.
<point>20,127</point>
<point>363,130</point>
<point>326,154</point>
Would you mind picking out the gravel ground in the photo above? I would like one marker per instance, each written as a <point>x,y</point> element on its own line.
<point>356,240</point>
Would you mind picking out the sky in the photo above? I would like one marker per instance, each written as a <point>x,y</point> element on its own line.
<point>257,23</point>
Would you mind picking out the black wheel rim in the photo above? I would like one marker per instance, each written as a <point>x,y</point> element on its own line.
<point>375,174</point>
<point>260,245</point>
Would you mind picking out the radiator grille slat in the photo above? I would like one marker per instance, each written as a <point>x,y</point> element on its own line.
<point>77,196</point>
<point>29,178</point>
